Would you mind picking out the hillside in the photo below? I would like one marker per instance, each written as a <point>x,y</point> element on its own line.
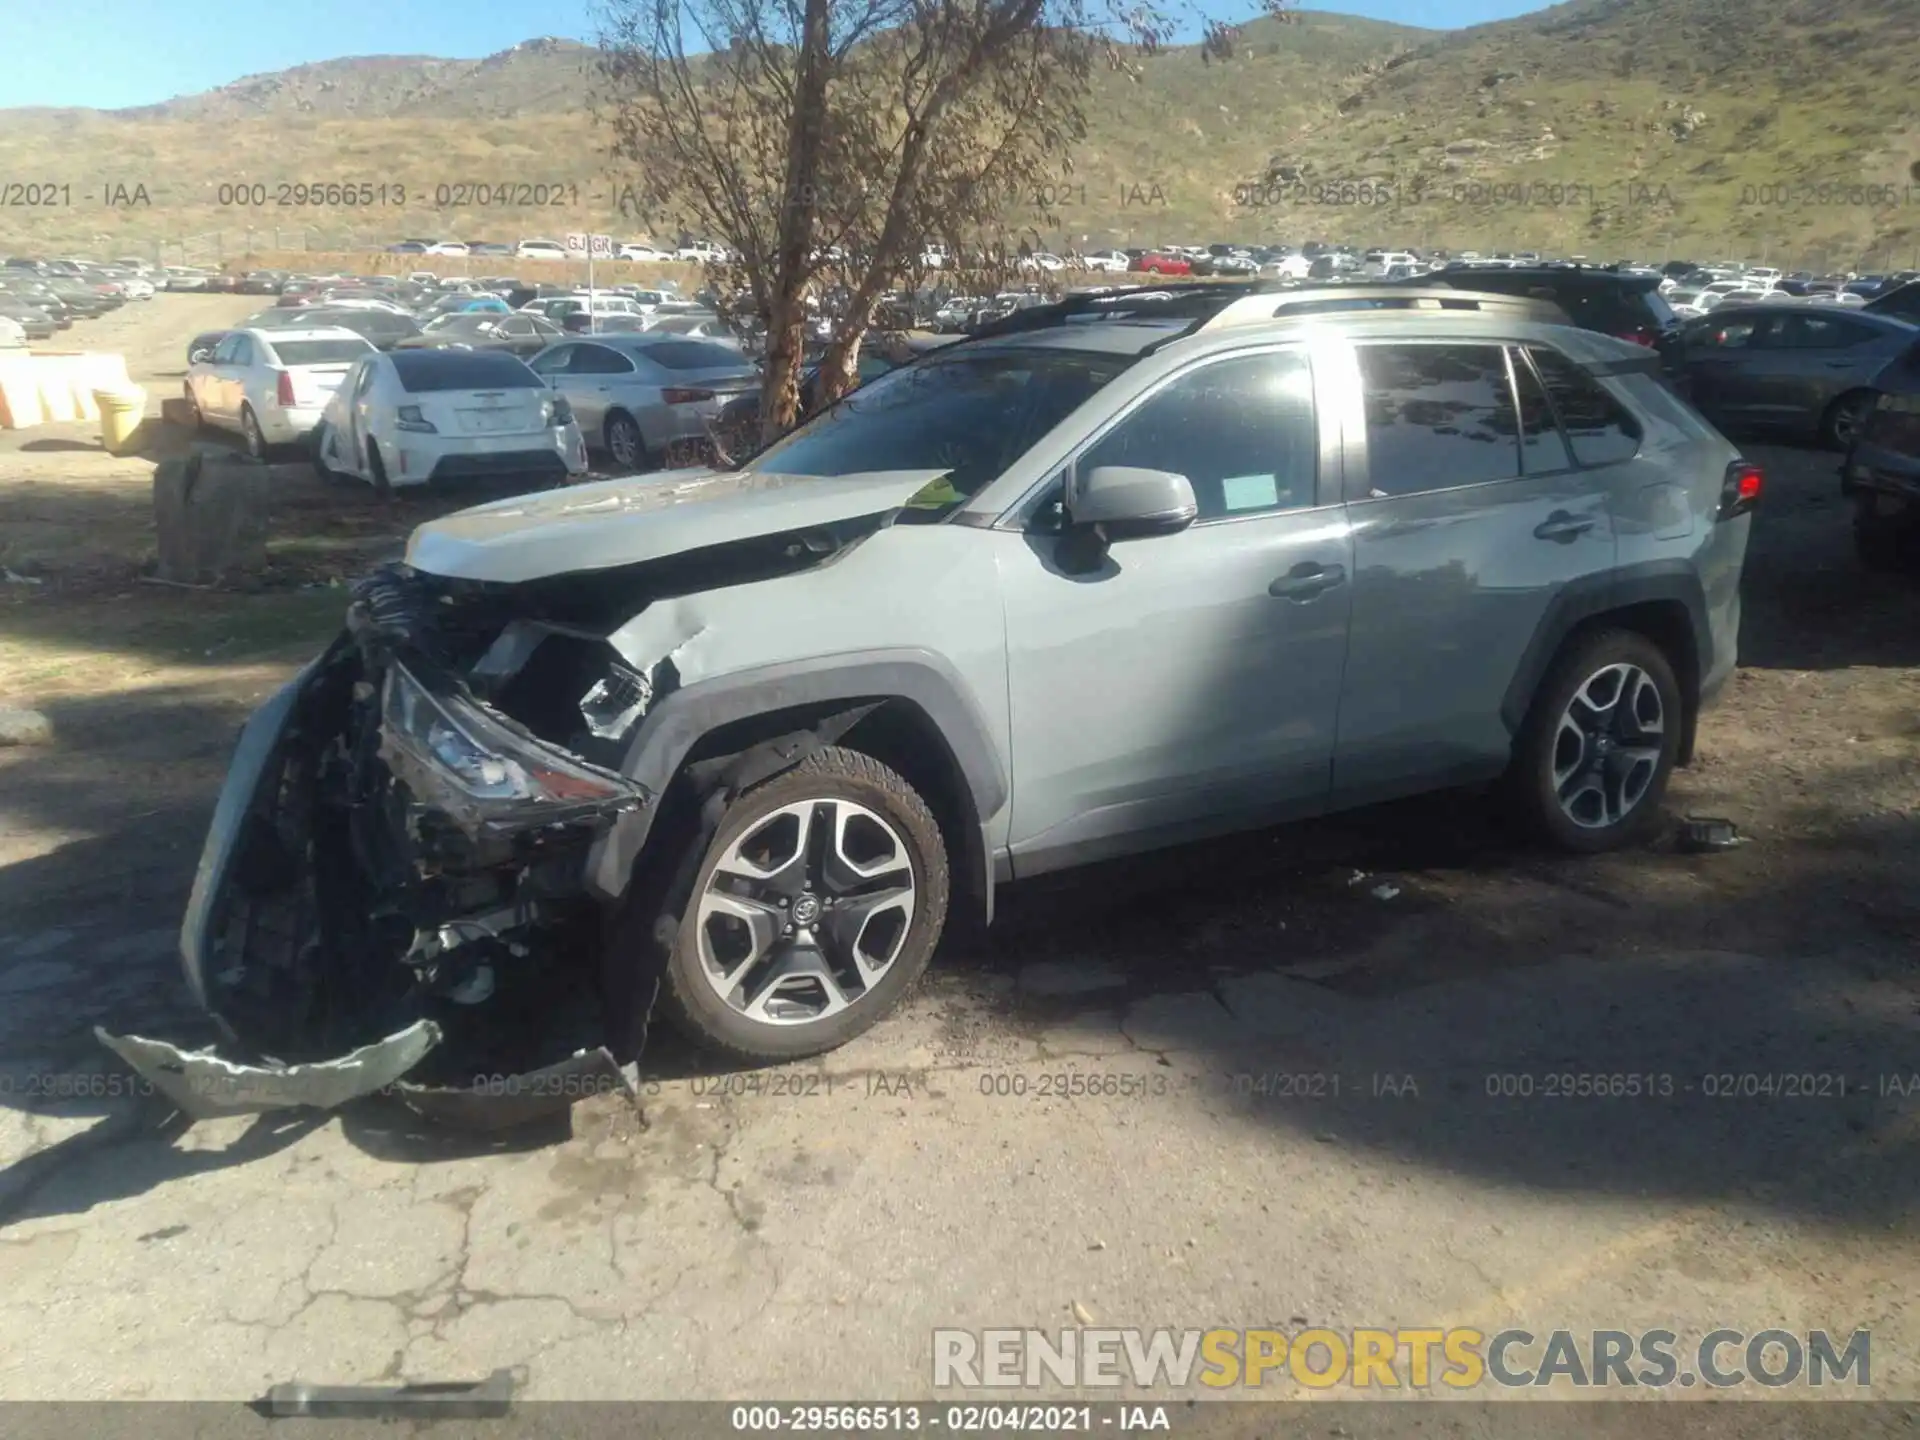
<point>1598,126</point>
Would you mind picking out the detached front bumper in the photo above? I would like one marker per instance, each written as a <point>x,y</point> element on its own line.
<point>386,899</point>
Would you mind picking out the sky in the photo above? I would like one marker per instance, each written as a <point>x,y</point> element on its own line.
<point>107,54</point>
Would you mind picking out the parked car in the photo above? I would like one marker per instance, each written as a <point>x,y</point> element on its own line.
<point>636,396</point>
<point>488,247</point>
<point>1881,473</point>
<point>1902,302</point>
<point>413,417</point>
<point>13,335</point>
<point>410,247</point>
<point>1625,306</point>
<point>540,250</point>
<point>271,385</point>
<point>646,254</point>
<point>262,282</point>
<point>1067,592</point>
<point>1104,260</point>
<point>449,247</point>
<point>383,328</point>
<point>1790,368</point>
<point>704,252</point>
<point>518,334</point>
<point>1161,262</point>
<point>34,322</point>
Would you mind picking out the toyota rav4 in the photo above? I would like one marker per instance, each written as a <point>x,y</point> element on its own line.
<point>1116,574</point>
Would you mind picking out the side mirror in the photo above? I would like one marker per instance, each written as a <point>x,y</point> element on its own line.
<point>1128,503</point>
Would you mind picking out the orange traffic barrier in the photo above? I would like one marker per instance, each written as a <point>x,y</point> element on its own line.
<point>42,388</point>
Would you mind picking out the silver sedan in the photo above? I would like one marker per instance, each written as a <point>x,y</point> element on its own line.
<point>636,395</point>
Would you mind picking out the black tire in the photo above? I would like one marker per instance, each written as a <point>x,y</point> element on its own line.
<point>377,472</point>
<point>194,417</point>
<point>1531,781</point>
<point>1883,542</point>
<point>1845,418</point>
<point>692,1005</point>
<point>251,435</point>
<point>623,433</point>
<point>328,475</point>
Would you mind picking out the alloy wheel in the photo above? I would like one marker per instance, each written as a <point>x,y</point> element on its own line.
<point>623,439</point>
<point>1606,748</point>
<point>250,429</point>
<point>804,913</point>
<point>1848,419</point>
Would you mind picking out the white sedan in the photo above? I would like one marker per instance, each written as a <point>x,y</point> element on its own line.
<point>645,254</point>
<point>418,417</point>
<point>540,250</point>
<point>447,247</point>
<point>271,385</point>
<point>1105,260</point>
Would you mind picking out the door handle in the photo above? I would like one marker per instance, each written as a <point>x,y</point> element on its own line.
<point>1307,580</point>
<point>1563,526</point>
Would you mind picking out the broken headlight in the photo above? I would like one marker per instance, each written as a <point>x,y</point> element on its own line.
<point>486,760</point>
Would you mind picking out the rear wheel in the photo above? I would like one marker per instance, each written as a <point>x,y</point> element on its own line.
<point>625,443</point>
<point>1600,743</point>
<point>377,471</point>
<point>1845,419</point>
<point>256,442</point>
<point>815,907</point>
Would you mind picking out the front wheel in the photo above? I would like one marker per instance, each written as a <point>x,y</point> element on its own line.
<point>1845,419</point>
<point>816,906</point>
<point>1600,743</point>
<point>322,467</point>
<point>625,443</point>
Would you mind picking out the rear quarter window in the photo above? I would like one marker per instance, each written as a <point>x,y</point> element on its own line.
<point>1601,430</point>
<point>425,371</point>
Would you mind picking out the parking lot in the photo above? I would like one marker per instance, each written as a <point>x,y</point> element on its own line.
<point>1289,1079</point>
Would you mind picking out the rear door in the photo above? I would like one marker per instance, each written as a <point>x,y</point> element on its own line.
<point>1719,354</point>
<point>1803,361</point>
<point>597,379</point>
<point>1468,516</point>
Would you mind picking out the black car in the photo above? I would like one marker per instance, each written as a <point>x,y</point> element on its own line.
<point>521,335</point>
<point>1902,303</point>
<point>1881,473</point>
<point>263,282</point>
<point>37,323</point>
<point>1624,305</point>
<point>1808,370</point>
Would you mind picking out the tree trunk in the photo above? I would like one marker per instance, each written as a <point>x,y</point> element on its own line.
<point>793,258</point>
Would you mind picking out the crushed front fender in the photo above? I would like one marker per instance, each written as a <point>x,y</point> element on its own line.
<point>204,1086</point>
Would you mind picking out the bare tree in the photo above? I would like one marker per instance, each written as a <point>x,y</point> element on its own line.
<point>830,142</point>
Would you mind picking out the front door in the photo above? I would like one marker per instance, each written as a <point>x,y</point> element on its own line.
<point>1470,513</point>
<point>1190,686</point>
<point>1720,357</point>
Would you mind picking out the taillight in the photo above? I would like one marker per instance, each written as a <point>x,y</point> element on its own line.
<point>286,389</point>
<point>674,396</point>
<point>1740,491</point>
<point>1638,337</point>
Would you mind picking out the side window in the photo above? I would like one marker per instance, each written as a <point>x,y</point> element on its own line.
<point>365,383</point>
<point>1543,449</point>
<point>1746,332</point>
<point>1439,417</point>
<point>1242,431</point>
<point>1601,430</point>
<point>598,360</point>
<point>245,352</point>
<point>1817,332</point>
<point>227,350</point>
<point>552,362</point>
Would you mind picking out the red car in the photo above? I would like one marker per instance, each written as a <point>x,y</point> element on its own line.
<point>1156,262</point>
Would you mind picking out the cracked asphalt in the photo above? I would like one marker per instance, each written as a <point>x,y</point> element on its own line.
<point>1227,1086</point>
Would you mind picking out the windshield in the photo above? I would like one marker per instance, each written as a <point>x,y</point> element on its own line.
<point>969,415</point>
<point>465,322</point>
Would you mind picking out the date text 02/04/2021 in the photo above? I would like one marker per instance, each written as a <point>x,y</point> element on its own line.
<point>987,1419</point>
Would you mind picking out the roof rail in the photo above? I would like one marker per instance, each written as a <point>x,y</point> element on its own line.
<point>1196,301</point>
<point>1334,299</point>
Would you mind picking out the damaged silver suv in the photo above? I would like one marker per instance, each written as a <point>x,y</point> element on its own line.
<point>1118,573</point>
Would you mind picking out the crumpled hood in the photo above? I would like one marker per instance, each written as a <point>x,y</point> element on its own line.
<point>624,522</point>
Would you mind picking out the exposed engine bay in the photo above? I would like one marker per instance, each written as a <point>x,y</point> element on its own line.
<point>393,891</point>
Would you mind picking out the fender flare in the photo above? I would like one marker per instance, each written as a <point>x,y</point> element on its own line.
<point>1589,598</point>
<point>657,754</point>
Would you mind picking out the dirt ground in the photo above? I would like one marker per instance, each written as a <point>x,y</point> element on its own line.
<point>722,1240</point>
